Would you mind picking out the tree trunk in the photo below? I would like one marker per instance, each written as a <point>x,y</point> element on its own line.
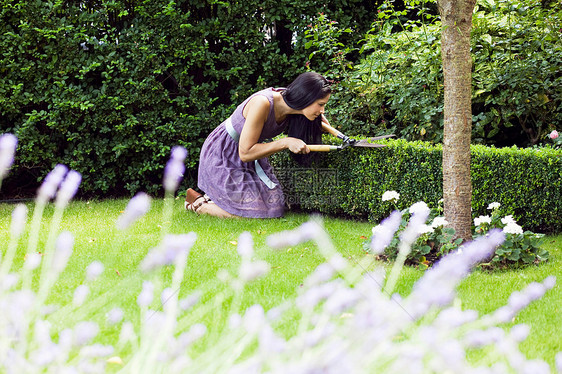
<point>456,17</point>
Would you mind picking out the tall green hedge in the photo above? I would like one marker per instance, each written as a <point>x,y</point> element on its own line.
<point>108,87</point>
<point>526,182</point>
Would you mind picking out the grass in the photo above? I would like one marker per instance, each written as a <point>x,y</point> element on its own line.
<point>96,238</point>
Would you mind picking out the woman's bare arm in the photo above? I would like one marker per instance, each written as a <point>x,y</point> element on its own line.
<point>249,149</point>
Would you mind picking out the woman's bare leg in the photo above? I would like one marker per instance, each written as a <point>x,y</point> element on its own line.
<point>213,209</point>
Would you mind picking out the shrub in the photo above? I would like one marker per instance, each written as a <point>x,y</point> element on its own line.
<point>109,87</point>
<point>351,182</point>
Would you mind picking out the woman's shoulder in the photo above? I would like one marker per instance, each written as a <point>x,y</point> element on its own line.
<point>258,102</point>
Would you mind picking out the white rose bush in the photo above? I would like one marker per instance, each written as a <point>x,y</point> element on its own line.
<point>349,318</point>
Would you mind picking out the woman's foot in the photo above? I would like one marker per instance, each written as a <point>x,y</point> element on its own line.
<point>193,200</point>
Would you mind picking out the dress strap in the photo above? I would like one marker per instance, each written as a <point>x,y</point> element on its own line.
<point>261,173</point>
<point>231,130</point>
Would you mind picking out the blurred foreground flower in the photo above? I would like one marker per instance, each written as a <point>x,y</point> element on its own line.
<point>8,144</point>
<point>136,208</point>
<point>173,172</point>
<point>345,321</point>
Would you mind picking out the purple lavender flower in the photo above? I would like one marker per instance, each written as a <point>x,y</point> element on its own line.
<point>165,296</point>
<point>178,153</point>
<point>8,145</point>
<point>384,232</point>
<point>250,271</point>
<point>254,319</point>
<point>136,208</point>
<point>94,270</point>
<point>323,273</point>
<point>419,212</point>
<point>558,361</point>
<point>51,183</point>
<point>437,285</point>
<point>146,295</point>
<point>173,172</point>
<point>519,332</point>
<point>19,216</point>
<point>115,316</point>
<point>68,188</point>
<point>96,350</point>
<point>189,301</point>
<point>245,246</point>
<point>80,294</point>
<point>32,261</point>
<point>63,250</point>
<point>84,332</point>
<point>306,232</point>
<point>166,253</point>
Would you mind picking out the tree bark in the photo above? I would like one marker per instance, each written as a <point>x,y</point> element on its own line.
<point>456,17</point>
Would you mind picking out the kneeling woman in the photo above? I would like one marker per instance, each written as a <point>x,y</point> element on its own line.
<point>234,172</point>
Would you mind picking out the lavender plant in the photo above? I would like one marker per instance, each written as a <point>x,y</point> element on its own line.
<point>349,319</point>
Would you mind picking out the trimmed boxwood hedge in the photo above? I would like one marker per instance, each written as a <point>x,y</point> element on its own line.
<point>527,182</point>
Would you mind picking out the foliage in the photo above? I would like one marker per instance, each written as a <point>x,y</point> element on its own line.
<point>434,241</point>
<point>397,86</point>
<point>520,247</point>
<point>517,86</point>
<point>108,87</point>
<point>527,182</point>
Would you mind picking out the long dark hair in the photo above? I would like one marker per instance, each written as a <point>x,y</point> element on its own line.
<point>302,92</point>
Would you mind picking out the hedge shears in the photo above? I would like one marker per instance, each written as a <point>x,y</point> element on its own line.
<point>348,142</point>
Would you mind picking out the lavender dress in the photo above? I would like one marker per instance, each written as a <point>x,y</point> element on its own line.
<point>246,189</point>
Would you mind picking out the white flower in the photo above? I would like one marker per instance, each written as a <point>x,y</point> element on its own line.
<point>513,228</point>
<point>508,219</point>
<point>439,221</point>
<point>390,195</point>
<point>419,207</point>
<point>494,205</point>
<point>425,229</point>
<point>482,219</point>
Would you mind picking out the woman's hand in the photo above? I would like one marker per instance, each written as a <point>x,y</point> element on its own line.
<point>296,145</point>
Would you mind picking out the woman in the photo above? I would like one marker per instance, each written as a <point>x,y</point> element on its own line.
<point>234,171</point>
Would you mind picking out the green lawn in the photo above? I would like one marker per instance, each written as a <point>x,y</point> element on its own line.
<point>96,238</point>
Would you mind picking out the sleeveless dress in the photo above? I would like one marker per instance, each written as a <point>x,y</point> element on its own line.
<point>246,189</point>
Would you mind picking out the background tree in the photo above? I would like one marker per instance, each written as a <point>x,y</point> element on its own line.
<point>456,16</point>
